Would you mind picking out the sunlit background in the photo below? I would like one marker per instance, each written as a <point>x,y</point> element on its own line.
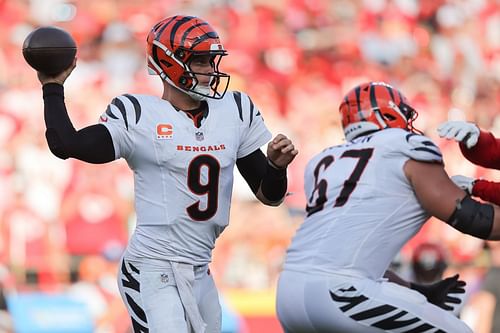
<point>64,224</point>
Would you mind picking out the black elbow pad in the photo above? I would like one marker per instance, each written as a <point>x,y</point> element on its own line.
<point>473,218</point>
<point>55,143</point>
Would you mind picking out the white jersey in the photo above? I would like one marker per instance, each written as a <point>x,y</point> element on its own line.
<point>183,175</point>
<point>361,206</point>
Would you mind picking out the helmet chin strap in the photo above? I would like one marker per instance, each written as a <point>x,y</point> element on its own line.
<point>200,90</point>
<point>195,94</point>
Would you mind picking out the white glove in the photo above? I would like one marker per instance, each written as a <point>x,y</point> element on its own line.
<point>465,183</point>
<point>460,131</point>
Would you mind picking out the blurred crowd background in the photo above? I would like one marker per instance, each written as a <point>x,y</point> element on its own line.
<point>64,224</point>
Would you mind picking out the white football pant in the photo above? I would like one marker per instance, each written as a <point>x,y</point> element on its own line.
<point>308,303</point>
<point>156,303</point>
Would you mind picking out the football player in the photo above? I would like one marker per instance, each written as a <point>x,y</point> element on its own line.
<point>182,148</point>
<point>366,199</point>
<point>479,147</point>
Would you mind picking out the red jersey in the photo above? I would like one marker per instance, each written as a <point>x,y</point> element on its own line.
<point>485,153</point>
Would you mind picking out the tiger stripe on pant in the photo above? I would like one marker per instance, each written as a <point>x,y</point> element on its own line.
<point>150,287</point>
<point>329,303</point>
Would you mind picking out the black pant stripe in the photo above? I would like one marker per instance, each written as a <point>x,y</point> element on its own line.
<point>139,312</point>
<point>131,282</point>
<point>393,323</point>
<point>387,323</point>
<point>419,329</point>
<point>138,328</point>
<point>351,301</point>
<point>373,312</point>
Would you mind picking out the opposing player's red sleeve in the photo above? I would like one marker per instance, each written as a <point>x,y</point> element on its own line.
<point>485,153</point>
<point>487,191</point>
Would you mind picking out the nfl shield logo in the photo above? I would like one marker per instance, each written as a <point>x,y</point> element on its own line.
<point>199,136</point>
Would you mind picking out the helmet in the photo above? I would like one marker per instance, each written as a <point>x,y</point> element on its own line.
<point>174,42</point>
<point>428,262</point>
<point>374,106</point>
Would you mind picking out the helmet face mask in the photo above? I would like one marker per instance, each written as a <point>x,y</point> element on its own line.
<point>202,83</point>
<point>174,46</point>
<point>374,106</point>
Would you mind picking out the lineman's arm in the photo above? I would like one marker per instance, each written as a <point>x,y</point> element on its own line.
<point>440,197</point>
<point>91,144</point>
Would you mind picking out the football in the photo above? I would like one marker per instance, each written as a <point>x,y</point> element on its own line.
<point>49,50</point>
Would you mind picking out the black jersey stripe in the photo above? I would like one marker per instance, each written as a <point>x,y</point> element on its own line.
<point>137,107</point>
<point>428,143</point>
<point>237,99</point>
<point>176,27</point>
<point>119,104</point>
<point>251,111</point>
<point>110,113</point>
<point>423,142</point>
<point>191,28</point>
<point>433,152</point>
<point>409,136</point>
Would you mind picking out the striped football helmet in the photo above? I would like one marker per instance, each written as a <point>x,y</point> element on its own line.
<point>174,42</point>
<point>374,106</point>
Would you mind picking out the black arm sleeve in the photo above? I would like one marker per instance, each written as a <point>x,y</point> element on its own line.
<point>259,173</point>
<point>91,144</point>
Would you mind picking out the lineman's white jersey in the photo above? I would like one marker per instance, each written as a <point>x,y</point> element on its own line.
<point>361,207</point>
<point>183,175</point>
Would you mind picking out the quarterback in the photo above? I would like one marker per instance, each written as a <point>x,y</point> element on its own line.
<point>366,199</point>
<point>182,148</point>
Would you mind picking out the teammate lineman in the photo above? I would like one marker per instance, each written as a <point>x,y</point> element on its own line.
<point>366,199</point>
<point>182,148</point>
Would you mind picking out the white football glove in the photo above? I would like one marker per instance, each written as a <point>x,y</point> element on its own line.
<point>465,183</point>
<point>460,131</point>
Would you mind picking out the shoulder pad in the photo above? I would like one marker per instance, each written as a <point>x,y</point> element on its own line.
<point>126,107</point>
<point>246,109</point>
<point>421,148</point>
